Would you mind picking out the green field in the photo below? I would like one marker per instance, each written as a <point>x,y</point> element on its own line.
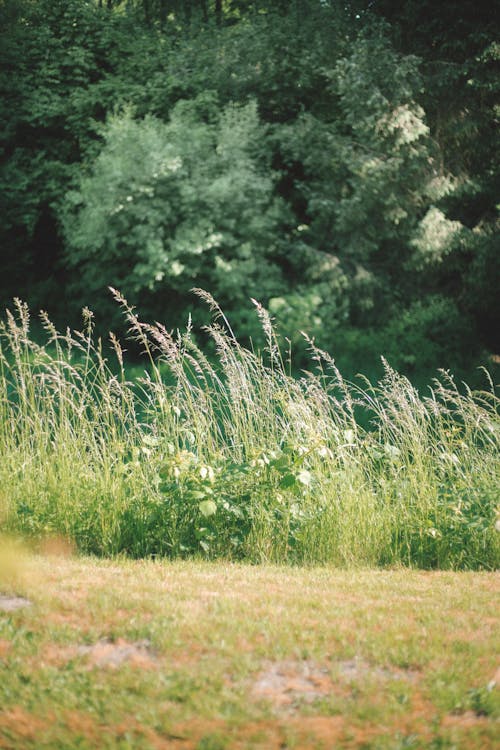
<point>134,654</point>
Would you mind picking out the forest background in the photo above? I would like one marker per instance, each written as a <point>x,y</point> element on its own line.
<point>334,160</point>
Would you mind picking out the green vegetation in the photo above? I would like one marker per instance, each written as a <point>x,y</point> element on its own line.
<point>237,458</point>
<point>336,161</point>
<point>191,656</point>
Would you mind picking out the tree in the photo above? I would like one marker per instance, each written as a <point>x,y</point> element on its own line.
<point>168,206</point>
<point>457,42</point>
<point>334,160</point>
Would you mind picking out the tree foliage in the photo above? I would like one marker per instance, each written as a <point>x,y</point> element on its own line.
<point>336,161</point>
<point>186,202</point>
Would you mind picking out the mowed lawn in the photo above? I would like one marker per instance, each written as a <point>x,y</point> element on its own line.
<point>185,655</point>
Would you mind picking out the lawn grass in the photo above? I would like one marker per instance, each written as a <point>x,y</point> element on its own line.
<point>211,655</point>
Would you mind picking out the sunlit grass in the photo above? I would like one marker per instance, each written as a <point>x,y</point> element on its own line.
<point>237,459</point>
<point>191,655</point>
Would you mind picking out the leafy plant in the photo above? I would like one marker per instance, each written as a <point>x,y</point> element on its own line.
<point>238,459</point>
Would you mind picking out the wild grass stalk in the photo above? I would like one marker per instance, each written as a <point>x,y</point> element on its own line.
<point>234,457</point>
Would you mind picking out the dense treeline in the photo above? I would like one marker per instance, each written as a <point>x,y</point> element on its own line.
<point>334,160</point>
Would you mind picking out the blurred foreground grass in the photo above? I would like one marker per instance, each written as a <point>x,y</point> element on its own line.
<point>197,655</point>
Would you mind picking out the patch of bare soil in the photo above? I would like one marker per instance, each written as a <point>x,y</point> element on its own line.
<point>103,654</point>
<point>113,654</point>
<point>289,683</point>
<point>11,602</point>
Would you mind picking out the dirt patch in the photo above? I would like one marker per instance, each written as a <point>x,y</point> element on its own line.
<point>289,682</point>
<point>9,603</point>
<point>114,654</point>
<point>103,654</point>
<point>107,653</point>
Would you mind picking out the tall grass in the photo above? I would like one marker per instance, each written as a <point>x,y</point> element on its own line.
<point>239,459</point>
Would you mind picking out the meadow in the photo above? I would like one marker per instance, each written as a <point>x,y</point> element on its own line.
<point>203,466</point>
<point>232,457</point>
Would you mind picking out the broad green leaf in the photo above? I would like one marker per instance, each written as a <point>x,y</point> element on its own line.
<point>281,463</point>
<point>207,508</point>
<point>197,494</point>
<point>289,480</point>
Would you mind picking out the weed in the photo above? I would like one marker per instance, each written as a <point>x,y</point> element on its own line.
<point>236,458</point>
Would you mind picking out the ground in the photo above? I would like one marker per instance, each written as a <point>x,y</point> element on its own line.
<point>205,656</point>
